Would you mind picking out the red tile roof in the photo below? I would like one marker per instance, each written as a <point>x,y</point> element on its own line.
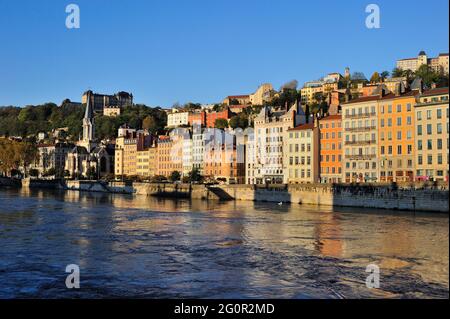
<point>435,91</point>
<point>388,96</point>
<point>332,117</point>
<point>238,96</point>
<point>308,126</point>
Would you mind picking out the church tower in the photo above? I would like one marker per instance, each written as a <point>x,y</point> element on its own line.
<point>88,126</point>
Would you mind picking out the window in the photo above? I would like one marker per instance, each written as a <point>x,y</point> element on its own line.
<point>420,160</point>
<point>430,159</point>
<point>439,144</point>
<point>419,129</point>
<point>439,114</point>
<point>429,144</point>
<point>399,108</point>
<point>419,115</point>
<point>399,135</point>
<point>408,120</point>
<point>439,128</point>
<point>399,121</point>
<point>408,107</point>
<point>429,115</point>
<point>429,129</point>
<point>439,160</point>
<point>419,145</point>
<point>399,150</point>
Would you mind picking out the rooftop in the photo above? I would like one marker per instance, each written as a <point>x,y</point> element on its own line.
<point>302,127</point>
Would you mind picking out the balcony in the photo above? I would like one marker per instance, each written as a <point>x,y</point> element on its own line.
<point>360,115</point>
<point>360,129</point>
<point>360,142</point>
<point>360,157</point>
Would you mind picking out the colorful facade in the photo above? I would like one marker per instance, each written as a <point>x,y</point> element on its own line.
<point>331,149</point>
<point>432,135</point>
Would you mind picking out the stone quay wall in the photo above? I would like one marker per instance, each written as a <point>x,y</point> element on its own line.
<point>343,195</point>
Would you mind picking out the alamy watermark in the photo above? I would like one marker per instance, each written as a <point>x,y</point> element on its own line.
<point>73,17</point>
<point>73,279</point>
<point>373,280</point>
<point>373,20</point>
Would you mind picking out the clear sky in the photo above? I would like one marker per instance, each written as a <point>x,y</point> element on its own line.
<point>167,51</point>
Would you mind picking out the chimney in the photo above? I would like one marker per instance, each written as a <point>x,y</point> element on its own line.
<point>397,89</point>
<point>381,91</point>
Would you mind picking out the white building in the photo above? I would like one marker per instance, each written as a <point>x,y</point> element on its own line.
<point>198,148</point>
<point>176,119</point>
<point>265,165</point>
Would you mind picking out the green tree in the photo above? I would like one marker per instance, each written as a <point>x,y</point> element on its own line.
<point>384,75</point>
<point>175,176</point>
<point>150,124</point>
<point>91,173</point>
<point>428,75</point>
<point>33,172</point>
<point>239,121</point>
<point>221,123</point>
<point>195,176</point>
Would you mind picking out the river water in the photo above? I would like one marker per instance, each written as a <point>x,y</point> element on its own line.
<point>146,247</point>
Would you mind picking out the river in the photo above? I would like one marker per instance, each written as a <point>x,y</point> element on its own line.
<point>145,247</point>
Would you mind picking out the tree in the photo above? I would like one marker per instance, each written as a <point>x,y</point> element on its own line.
<point>33,172</point>
<point>158,179</point>
<point>239,121</point>
<point>375,78</point>
<point>218,107</point>
<point>195,176</point>
<point>150,124</point>
<point>91,173</point>
<point>397,73</point>
<point>221,123</point>
<point>175,176</point>
<point>384,75</point>
<point>428,75</point>
<point>50,172</point>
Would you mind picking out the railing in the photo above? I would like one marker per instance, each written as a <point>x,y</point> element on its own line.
<point>360,129</point>
<point>360,157</point>
<point>361,115</point>
<point>360,142</point>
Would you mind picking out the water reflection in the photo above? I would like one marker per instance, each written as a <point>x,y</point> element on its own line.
<point>138,246</point>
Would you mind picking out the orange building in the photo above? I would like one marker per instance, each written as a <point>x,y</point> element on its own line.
<point>396,136</point>
<point>213,116</point>
<point>222,164</point>
<point>168,157</point>
<point>198,118</point>
<point>331,149</point>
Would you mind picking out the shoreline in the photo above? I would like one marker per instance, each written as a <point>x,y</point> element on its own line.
<point>327,195</point>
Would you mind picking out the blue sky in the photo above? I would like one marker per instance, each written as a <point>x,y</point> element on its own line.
<point>201,51</point>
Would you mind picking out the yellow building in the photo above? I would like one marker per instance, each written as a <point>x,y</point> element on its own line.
<point>262,94</point>
<point>125,155</point>
<point>309,90</point>
<point>439,63</point>
<point>128,144</point>
<point>111,111</point>
<point>302,148</point>
<point>396,137</point>
<point>360,137</point>
<point>146,162</point>
<point>432,133</point>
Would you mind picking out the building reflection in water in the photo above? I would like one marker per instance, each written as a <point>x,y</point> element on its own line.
<point>224,242</point>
